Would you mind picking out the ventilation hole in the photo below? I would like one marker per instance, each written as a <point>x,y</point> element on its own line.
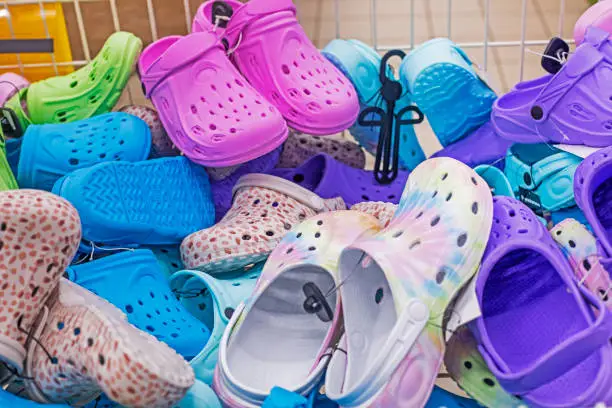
<point>391,197</point>
<point>512,213</point>
<point>246,237</point>
<point>462,239</point>
<point>290,250</point>
<point>419,215</point>
<point>475,208</point>
<point>101,359</point>
<point>286,69</point>
<point>287,226</point>
<point>586,264</point>
<point>328,102</point>
<point>228,312</point>
<point>435,221</point>
<point>298,178</point>
<point>365,197</point>
<point>233,130</point>
<point>54,360</point>
<point>129,309</point>
<point>467,364</point>
<point>572,244</point>
<point>73,162</point>
<point>603,295</point>
<point>474,181</point>
<point>378,296</point>
<point>489,382</point>
<point>435,193</point>
<point>77,331</point>
<point>213,87</point>
<point>523,231</point>
<point>270,233</point>
<point>152,295</point>
<point>73,84</point>
<point>102,155</point>
<point>212,126</point>
<point>414,244</point>
<point>311,248</point>
<point>398,234</point>
<point>307,91</point>
<point>449,196</point>
<point>60,325</point>
<point>150,328</point>
<point>441,275</point>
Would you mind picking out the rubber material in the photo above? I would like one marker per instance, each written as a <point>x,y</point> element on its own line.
<point>329,178</point>
<point>7,179</point>
<point>134,282</point>
<point>302,265</point>
<point>264,209</point>
<point>444,85</point>
<point>274,54</point>
<point>542,173</point>
<point>467,367</point>
<point>598,15</point>
<point>49,152</point>
<point>403,277</point>
<point>200,395</point>
<point>496,179</point>
<point>570,358</point>
<point>442,398</point>
<point>211,113</point>
<point>10,84</point>
<point>471,152</point>
<point>213,302</point>
<point>580,247</point>
<point>49,228</point>
<point>9,400</point>
<point>570,107</point>
<point>155,202</point>
<point>300,147</point>
<point>161,145</point>
<point>361,65</point>
<point>89,91</point>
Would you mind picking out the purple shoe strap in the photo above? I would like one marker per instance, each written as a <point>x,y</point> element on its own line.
<point>316,174</point>
<point>559,360</point>
<point>251,11</point>
<point>516,228</point>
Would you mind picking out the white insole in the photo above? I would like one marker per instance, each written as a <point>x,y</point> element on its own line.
<point>279,341</point>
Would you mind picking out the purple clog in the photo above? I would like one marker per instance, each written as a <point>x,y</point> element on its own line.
<point>483,146</point>
<point>571,107</point>
<point>538,332</point>
<point>329,178</point>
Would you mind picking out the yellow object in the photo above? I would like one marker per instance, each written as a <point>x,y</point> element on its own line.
<point>27,23</point>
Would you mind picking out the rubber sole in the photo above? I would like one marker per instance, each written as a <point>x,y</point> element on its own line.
<point>454,101</point>
<point>155,202</point>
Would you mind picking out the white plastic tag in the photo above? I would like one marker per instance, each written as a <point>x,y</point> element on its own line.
<point>464,309</point>
<point>578,150</point>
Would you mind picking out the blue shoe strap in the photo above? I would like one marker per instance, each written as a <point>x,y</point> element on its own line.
<point>281,398</point>
<point>199,292</point>
<point>496,179</point>
<point>530,176</point>
<point>550,179</point>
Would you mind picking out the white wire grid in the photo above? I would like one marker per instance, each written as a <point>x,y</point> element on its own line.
<point>522,43</point>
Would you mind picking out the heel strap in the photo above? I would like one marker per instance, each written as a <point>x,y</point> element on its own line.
<point>252,11</point>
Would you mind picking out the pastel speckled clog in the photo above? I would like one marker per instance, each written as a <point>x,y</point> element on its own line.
<point>398,284</point>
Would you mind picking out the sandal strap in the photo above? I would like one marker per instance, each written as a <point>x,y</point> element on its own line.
<point>562,358</point>
<point>251,11</point>
<point>180,54</point>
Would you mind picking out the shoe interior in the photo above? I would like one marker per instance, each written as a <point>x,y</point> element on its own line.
<point>370,317</point>
<point>281,338</point>
<point>528,310</point>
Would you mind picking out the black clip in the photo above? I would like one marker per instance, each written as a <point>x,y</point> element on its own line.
<point>11,128</point>
<point>315,303</point>
<point>221,9</point>
<point>386,165</point>
<point>554,53</point>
